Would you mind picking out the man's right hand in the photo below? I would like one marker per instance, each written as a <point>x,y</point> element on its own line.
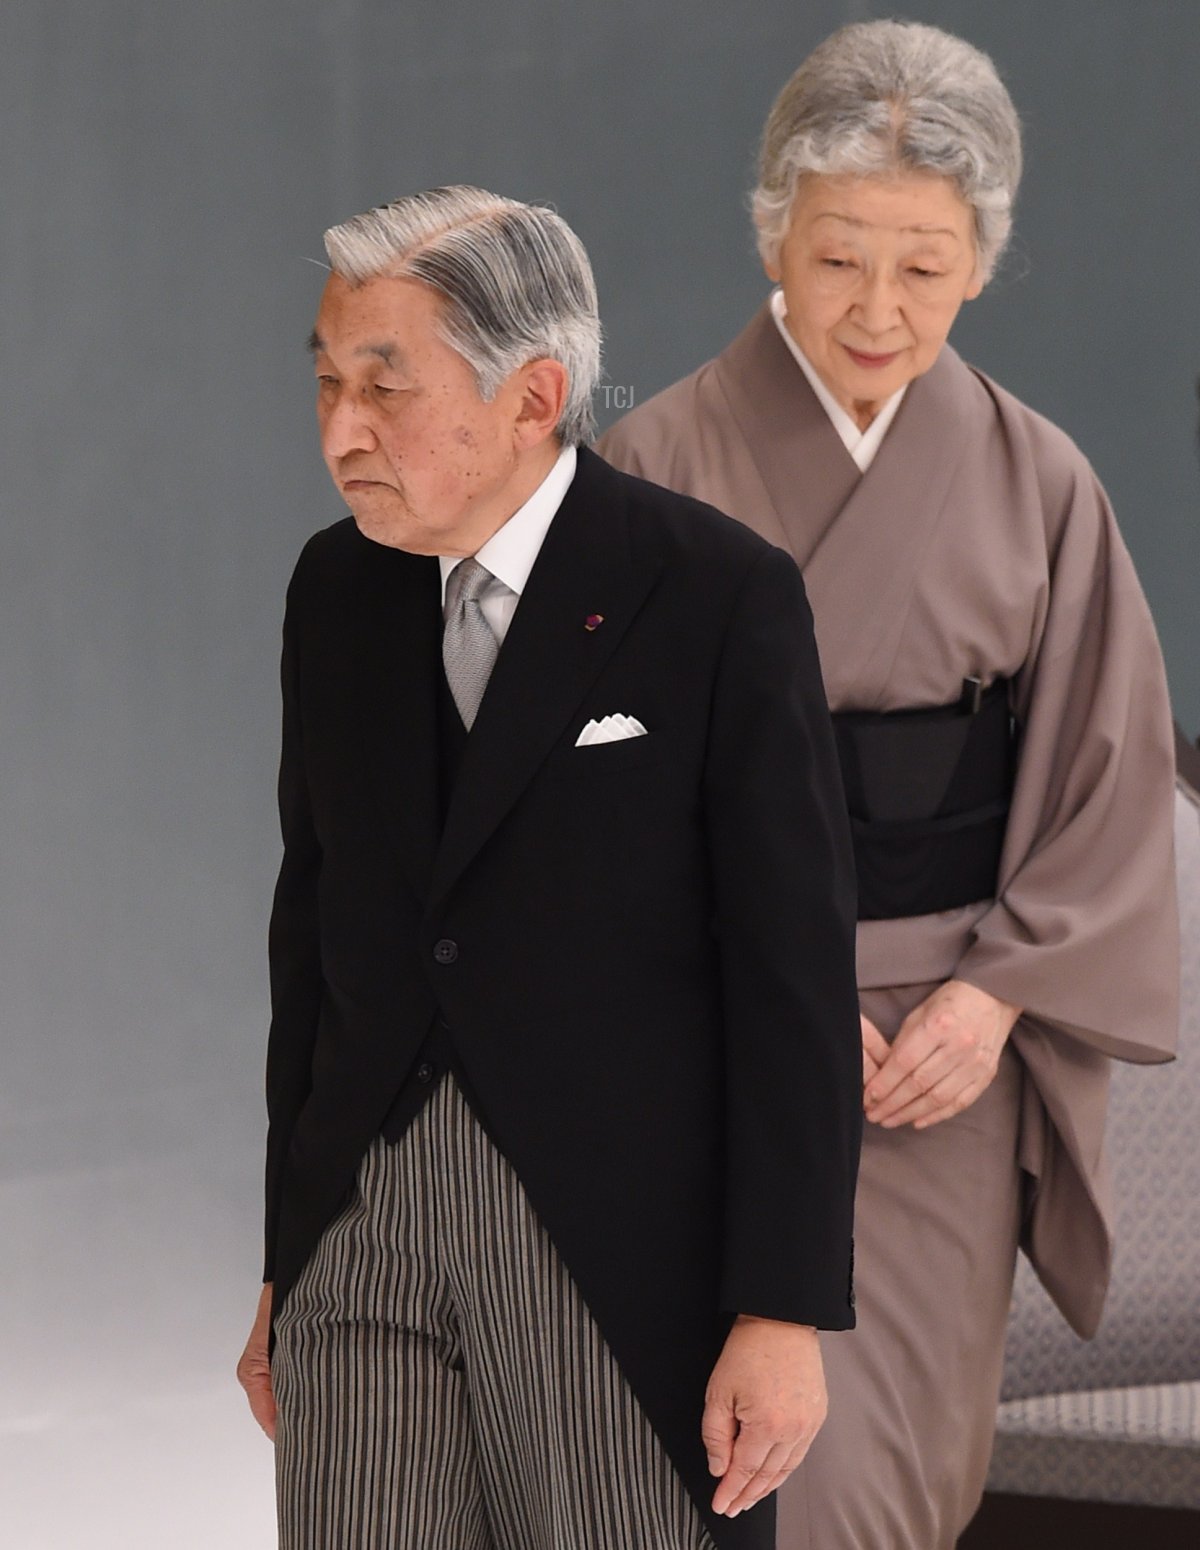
<point>254,1369</point>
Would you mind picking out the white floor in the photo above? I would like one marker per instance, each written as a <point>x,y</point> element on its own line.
<point>126,1290</point>
<point>173,1473</point>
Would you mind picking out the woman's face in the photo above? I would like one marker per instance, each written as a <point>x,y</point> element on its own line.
<point>874,271</point>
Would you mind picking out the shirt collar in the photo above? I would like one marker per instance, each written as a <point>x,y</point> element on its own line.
<point>861,445</point>
<point>510,552</point>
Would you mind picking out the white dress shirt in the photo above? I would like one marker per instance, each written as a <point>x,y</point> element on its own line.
<point>510,552</point>
<point>861,445</point>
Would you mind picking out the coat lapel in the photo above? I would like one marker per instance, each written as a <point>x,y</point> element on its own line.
<point>399,627</point>
<point>549,658</point>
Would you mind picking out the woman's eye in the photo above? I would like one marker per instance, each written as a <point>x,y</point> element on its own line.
<point>924,274</point>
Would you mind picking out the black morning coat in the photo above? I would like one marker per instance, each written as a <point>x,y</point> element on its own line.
<point>643,950</point>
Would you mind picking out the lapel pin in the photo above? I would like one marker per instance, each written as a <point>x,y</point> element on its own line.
<point>593,621</point>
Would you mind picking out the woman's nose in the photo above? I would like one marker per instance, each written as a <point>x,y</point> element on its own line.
<point>878,305</point>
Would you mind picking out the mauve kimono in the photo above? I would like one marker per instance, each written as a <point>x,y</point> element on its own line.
<point>977,544</point>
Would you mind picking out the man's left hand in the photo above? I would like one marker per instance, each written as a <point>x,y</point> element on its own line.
<point>764,1405</point>
<point>943,1058</point>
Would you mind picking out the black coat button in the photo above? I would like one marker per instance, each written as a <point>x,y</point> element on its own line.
<point>424,1072</point>
<point>446,951</point>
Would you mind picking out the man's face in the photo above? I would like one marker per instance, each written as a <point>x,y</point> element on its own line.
<point>420,459</point>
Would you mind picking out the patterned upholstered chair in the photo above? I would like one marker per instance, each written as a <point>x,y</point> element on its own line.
<point>1117,1419</point>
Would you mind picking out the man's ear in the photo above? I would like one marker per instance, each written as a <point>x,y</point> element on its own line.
<point>543,387</point>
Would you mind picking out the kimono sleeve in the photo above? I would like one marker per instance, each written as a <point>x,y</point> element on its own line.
<point>1084,931</point>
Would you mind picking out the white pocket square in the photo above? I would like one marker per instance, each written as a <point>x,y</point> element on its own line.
<point>610,730</point>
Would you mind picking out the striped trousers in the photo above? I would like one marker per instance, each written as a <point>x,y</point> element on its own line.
<point>440,1383</point>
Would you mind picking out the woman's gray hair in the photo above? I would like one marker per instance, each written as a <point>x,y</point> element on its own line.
<point>515,280</point>
<point>880,97</point>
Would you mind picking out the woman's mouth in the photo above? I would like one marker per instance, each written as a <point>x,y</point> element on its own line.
<point>869,361</point>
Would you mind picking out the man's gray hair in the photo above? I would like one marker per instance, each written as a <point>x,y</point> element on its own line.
<point>881,97</point>
<point>514,278</point>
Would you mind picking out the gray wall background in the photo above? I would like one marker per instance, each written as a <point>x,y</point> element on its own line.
<point>167,171</point>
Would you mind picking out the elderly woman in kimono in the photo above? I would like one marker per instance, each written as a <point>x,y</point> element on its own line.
<point>1003,723</point>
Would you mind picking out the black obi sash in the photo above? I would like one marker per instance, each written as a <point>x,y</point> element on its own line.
<point>928,793</point>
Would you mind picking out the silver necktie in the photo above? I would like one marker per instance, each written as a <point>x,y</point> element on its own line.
<point>468,646</point>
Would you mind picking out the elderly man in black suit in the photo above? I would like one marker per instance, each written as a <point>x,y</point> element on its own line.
<point>564,1074</point>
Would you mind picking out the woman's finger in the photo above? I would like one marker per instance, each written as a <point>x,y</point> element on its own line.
<point>941,1104</point>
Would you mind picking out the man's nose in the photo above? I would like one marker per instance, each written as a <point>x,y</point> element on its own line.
<point>344,428</point>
